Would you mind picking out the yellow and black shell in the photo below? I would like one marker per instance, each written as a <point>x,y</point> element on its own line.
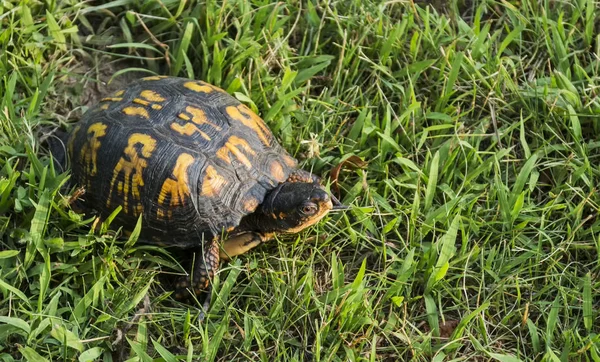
<point>184,154</point>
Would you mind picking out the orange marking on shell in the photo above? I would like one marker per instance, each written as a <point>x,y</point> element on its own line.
<point>132,165</point>
<point>176,187</point>
<point>250,204</point>
<point>152,96</point>
<point>290,161</point>
<point>199,117</point>
<point>197,87</point>
<point>136,111</point>
<point>104,106</point>
<point>155,77</point>
<point>251,120</point>
<point>202,87</point>
<point>156,106</point>
<point>277,171</point>
<point>120,93</point>
<point>233,146</point>
<point>213,183</point>
<point>188,129</point>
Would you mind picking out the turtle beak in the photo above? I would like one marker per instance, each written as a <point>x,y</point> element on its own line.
<point>337,205</point>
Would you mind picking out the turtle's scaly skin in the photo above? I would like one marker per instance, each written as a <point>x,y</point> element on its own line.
<point>194,162</point>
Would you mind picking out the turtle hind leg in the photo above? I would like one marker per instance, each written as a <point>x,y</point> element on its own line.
<point>204,266</point>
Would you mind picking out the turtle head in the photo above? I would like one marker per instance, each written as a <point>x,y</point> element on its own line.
<point>294,205</point>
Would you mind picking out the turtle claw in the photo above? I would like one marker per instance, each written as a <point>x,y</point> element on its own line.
<point>189,288</point>
<point>205,304</point>
<point>187,292</point>
<point>182,289</point>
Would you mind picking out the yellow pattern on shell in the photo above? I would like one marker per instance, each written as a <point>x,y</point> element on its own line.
<point>213,183</point>
<point>155,77</point>
<point>152,96</point>
<point>141,101</point>
<point>197,118</point>
<point>111,99</point>
<point>136,111</point>
<point>89,151</point>
<point>243,114</point>
<point>202,87</point>
<point>234,145</point>
<point>132,165</point>
<point>176,187</point>
<point>71,140</point>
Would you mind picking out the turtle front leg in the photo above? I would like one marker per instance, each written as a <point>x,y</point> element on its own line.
<point>206,264</point>
<point>240,244</point>
<point>204,267</point>
<point>301,175</point>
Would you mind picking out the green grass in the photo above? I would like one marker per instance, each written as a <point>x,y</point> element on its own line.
<point>473,228</point>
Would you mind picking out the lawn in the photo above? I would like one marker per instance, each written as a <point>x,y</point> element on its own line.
<point>464,136</point>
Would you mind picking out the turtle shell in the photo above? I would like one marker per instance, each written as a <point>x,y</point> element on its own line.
<point>184,154</point>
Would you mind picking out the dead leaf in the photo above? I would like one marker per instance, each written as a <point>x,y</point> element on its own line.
<point>353,162</point>
<point>76,195</point>
<point>446,328</point>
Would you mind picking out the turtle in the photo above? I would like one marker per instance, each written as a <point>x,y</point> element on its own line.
<point>203,171</point>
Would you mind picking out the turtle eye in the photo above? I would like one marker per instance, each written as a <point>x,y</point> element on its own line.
<point>309,209</point>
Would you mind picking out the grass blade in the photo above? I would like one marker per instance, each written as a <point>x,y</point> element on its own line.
<point>38,227</point>
<point>575,124</point>
<point>509,39</point>
<point>535,338</point>
<point>504,357</point>
<point>432,181</point>
<point>523,177</point>
<point>91,354</point>
<point>182,49</point>
<point>16,322</point>
<point>587,303</point>
<point>63,335</point>
<point>55,31</point>
<point>451,80</point>
<point>552,322</point>
<point>447,250</point>
<point>31,355</point>
<point>164,353</point>
<point>139,351</point>
<point>432,314</point>
<point>5,287</point>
